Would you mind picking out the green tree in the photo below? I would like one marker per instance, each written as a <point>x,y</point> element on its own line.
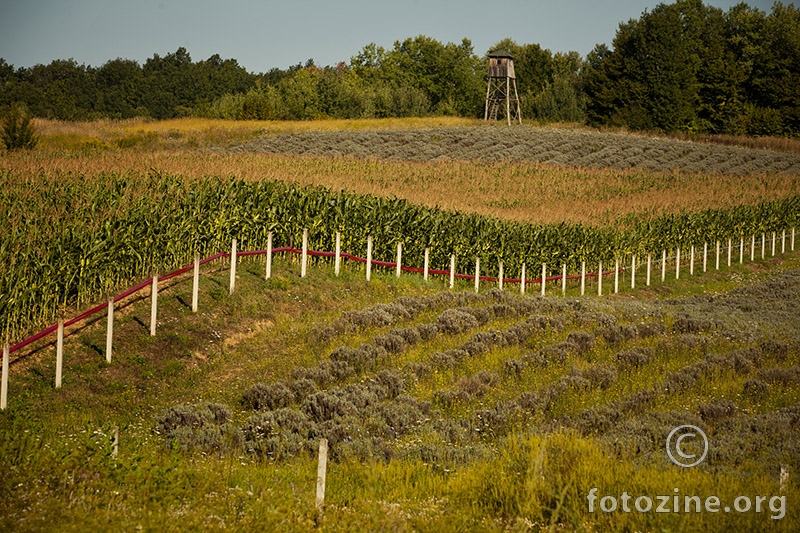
<point>648,80</point>
<point>368,63</point>
<point>168,85</point>
<point>343,94</point>
<point>774,85</point>
<point>120,87</point>
<point>562,99</point>
<point>598,79</point>
<point>300,95</point>
<point>450,76</point>
<point>744,26</point>
<point>692,67</point>
<point>261,103</point>
<point>215,77</point>
<point>559,101</point>
<point>61,90</point>
<point>719,75</point>
<point>18,132</point>
<point>8,81</point>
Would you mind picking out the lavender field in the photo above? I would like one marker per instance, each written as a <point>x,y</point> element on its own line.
<point>571,147</point>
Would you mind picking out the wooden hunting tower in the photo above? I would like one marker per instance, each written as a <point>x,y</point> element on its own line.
<point>501,91</point>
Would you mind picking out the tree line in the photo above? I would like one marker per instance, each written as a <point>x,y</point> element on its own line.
<point>682,67</point>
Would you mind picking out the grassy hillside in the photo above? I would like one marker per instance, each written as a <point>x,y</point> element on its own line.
<point>445,411</point>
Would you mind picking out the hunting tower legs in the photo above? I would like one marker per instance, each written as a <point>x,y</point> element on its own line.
<point>501,90</point>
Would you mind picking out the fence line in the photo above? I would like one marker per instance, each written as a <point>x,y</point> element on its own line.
<point>338,255</point>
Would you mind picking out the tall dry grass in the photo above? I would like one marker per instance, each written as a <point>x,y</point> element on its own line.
<point>202,132</point>
<point>776,144</point>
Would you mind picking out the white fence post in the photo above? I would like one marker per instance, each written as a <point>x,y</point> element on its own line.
<point>544,276</point>
<point>663,265</point>
<point>691,261</point>
<point>773,243</point>
<point>705,257</point>
<point>477,273</point>
<point>741,251</point>
<point>763,244</point>
<point>783,241</point>
<point>452,271</point>
<point>633,272</point>
<point>616,275</point>
<point>399,267</point>
<point>426,262</point>
<point>717,255</point>
<point>337,261</point>
<point>583,277</point>
<point>304,254</point>
<point>369,257</point>
<point>232,284</point>
<point>322,468</point>
<point>522,281</point>
<point>783,478</point>
<point>196,282</point>
<point>678,263</point>
<point>600,278</point>
<point>564,279</point>
<point>649,261</point>
<point>110,329</point>
<point>115,442</point>
<point>793,239</point>
<point>268,271</point>
<point>4,383</point>
<point>500,276</point>
<point>153,305</point>
<point>753,248</point>
<point>59,352</point>
<point>730,244</point>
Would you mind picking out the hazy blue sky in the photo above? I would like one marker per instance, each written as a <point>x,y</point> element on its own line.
<point>266,34</point>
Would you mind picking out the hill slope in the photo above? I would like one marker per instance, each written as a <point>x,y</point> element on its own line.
<point>478,411</point>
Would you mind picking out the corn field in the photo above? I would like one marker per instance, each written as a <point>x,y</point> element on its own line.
<point>70,240</point>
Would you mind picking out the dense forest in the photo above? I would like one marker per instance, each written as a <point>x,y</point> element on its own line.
<point>683,66</point>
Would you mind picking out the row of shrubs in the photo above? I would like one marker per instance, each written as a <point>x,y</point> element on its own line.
<point>499,304</point>
<point>365,417</point>
<point>293,415</point>
<point>578,148</point>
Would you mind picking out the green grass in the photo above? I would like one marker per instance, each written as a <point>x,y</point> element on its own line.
<point>531,474</point>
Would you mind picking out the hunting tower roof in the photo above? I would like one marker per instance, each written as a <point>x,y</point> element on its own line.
<point>500,53</point>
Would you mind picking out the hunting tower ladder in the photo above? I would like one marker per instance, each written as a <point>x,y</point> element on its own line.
<point>501,91</point>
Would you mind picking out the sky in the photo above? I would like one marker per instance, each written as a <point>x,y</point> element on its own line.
<point>267,34</point>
